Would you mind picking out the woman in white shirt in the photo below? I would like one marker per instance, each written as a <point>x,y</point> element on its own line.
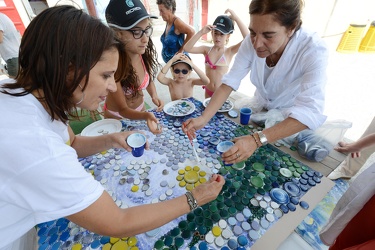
<point>287,65</point>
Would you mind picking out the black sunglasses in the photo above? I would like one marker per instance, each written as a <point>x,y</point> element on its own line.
<point>177,71</point>
<point>137,34</point>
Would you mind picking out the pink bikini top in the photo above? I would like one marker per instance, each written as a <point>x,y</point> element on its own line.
<point>219,63</point>
<point>145,82</point>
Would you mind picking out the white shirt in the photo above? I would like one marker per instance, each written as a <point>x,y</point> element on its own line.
<point>353,200</point>
<point>11,38</point>
<point>41,178</point>
<point>297,82</point>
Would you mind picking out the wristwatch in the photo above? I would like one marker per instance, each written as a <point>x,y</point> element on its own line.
<point>262,138</point>
<point>191,200</point>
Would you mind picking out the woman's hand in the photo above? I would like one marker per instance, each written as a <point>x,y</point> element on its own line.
<point>209,190</point>
<point>242,149</point>
<point>159,103</point>
<point>118,140</point>
<point>153,124</point>
<point>192,125</point>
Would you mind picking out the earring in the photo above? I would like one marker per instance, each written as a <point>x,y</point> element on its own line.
<point>83,95</point>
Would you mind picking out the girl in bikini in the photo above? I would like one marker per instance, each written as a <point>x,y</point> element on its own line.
<point>217,57</point>
<point>181,85</point>
<point>134,30</point>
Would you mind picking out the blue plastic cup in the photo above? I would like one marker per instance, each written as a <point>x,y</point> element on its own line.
<point>223,147</point>
<point>245,115</point>
<point>137,142</point>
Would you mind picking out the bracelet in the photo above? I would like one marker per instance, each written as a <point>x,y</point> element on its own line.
<point>163,72</point>
<point>262,138</point>
<point>256,141</point>
<point>191,201</point>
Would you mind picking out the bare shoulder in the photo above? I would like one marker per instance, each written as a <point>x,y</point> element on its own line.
<point>169,81</point>
<point>182,27</point>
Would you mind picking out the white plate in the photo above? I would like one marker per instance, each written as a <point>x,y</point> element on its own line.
<point>179,108</point>
<point>228,105</point>
<point>105,126</point>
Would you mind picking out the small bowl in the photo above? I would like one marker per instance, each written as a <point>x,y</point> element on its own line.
<point>137,142</point>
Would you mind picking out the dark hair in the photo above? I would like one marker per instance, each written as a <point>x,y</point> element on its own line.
<point>126,74</point>
<point>169,4</point>
<point>58,42</point>
<point>286,12</point>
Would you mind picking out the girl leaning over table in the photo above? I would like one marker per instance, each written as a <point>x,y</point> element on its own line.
<point>63,67</point>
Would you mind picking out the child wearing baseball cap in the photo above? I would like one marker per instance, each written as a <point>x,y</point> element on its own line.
<point>181,85</point>
<point>132,25</point>
<point>217,57</point>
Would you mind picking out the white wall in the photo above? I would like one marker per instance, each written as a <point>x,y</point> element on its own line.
<point>77,3</point>
<point>327,17</point>
<point>182,7</point>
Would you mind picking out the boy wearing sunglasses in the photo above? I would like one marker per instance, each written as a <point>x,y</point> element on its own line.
<point>181,85</point>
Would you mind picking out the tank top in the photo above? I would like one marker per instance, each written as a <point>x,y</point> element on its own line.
<point>171,43</point>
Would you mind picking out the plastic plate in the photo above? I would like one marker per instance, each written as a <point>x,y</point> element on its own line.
<point>179,108</point>
<point>228,105</point>
<point>102,127</point>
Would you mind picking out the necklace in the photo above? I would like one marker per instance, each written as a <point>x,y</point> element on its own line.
<point>272,64</point>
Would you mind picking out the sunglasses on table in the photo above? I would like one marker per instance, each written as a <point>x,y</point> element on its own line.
<point>137,34</point>
<point>184,71</point>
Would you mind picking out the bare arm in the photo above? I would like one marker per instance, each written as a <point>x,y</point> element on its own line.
<point>105,218</point>
<point>161,76</point>
<point>118,98</point>
<point>184,28</point>
<point>91,8</point>
<point>189,46</point>
<point>151,89</point>
<point>89,145</point>
<point>203,79</point>
<point>355,147</point>
<point>1,36</point>
<point>283,129</point>
<point>217,100</point>
<point>220,96</point>
<point>243,28</point>
<point>246,145</point>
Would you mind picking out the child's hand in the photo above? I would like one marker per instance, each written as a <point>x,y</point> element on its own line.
<point>185,58</point>
<point>206,29</point>
<point>351,148</point>
<point>159,103</point>
<point>177,57</point>
<point>232,15</point>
